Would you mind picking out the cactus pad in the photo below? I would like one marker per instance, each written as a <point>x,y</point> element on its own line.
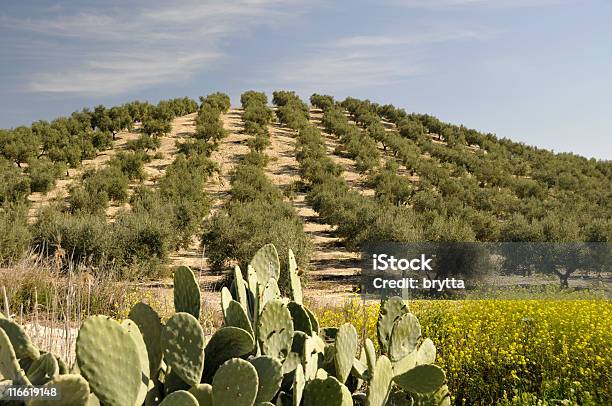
<point>327,391</point>
<point>186,292</point>
<point>203,393</point>
<point>134,331</point>
<point>43,369</point>
<point>390,311</point>
<point>295,284</point>
<point>236,316</point>
<point>179,398</point>
<point>183,347</point>
<point>108,358</point>
<point>266,264</point>
<point>299,382</point>
<point>9,366</point>
<point>22,345</point>
<point>380,382</point>
<point>74,391</point>
<point>240,289</point>
<point>150,327</point>
<point>346,347</point>
<point>235,383</point>
<point>370,353</point>
<point>275,329</point>
<point>270,375</point>
<point>226,343</point>
<point>405,336</point>
<point>426,354</point>
<point>422,379</point>
<point>301,320</point>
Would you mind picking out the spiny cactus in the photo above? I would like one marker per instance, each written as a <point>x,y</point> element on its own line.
<point>271,350</point>
<point>183,347</point>
<point>186,292</point>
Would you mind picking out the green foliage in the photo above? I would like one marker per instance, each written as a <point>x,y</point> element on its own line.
<point>14,232</point>
<point>43,174</point>
<point>14,188</point>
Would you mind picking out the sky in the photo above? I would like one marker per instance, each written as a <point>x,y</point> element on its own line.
<point>534,71</point>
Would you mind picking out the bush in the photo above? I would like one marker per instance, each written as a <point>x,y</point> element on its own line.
<point>131,164</point>
<point>14,233</point>
<point>43,174</point>
<point>14,187</point>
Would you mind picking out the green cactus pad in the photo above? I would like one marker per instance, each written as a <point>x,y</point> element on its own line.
<point>22,345</point>
<point>313,321</point>
<point>226,343</point>
<point>179,398</point>
<point>108,358</point>
<point>134,331</point>
<point>426,354</point>
<point>43,369</point>
<point>270,375</point>
<point>235,383</point>
<point>61,365</point>
<point>299,338</point>
<point>301,320</point>
<point>295,284</point>
<point>390,311</point>
<point>405,364</point>
<point>359,369</point>
<point>203,393</point>
<point>380,382</point>
<point>241,295</point>
<point>312,356</point>
<point>346,348</point>
<point>186,292</point>
<point>74,391</point>
<point>291,362</point>
<point>327,391</point>
<point>183,347</point>
<point>299,382</point>
<point>270,292</point>
<point>226,298</point>
<point>422,379</point>
<point>275,329</point>
<point>405,336</point>
<point>236,316</point>
<point>9,366</point>
<point>370,353</point>
<point>266,264</point>
<point>150,327</point>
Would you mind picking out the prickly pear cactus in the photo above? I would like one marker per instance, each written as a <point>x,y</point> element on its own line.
<point>241,294</point>
<point>226,343</point>
<point>380,382</point>
<point>236,316</point>
<point>183,347</point>
<point>426,353</point>
<point>345,349</point>
<point>74,391</point>
<point>266,264</point>
<point>21,342</point>
<point>328,391</point>
<point>134,331</point>
<point>405,336</point>
<point>235,383</point>
<point>421,379</point>
<point>108,358</point>
<point>295,284</point>
<point>370,353</point>
<point>9,366</point>
<point>301,320</point>
<point>43,369</point>
<point>203,393</point>
<point>390,311</point>
<point>150,326</point>
<point>299,382</point>
<point>270,375</point>
<point>179,398</point>
<point>186,292</point>
<point>275,329</point>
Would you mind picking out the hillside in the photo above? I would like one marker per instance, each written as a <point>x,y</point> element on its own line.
<point>138,187</point>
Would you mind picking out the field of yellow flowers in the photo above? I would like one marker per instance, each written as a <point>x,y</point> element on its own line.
<point>546,350</point>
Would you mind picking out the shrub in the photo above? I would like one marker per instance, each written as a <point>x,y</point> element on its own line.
<point>14,233</point>
<point>14,188</point>
<point>43,174</point>
<point>131,164</point>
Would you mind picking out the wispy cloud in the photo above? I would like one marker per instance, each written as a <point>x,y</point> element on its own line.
<point>448,4</point>
<point>116,49</point>
<point>363,61</point>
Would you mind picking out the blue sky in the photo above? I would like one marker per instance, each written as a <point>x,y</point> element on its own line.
<point>537,71</point>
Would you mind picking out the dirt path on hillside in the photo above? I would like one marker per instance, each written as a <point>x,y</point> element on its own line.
<point>231,149</point>
<point>334,269</point>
